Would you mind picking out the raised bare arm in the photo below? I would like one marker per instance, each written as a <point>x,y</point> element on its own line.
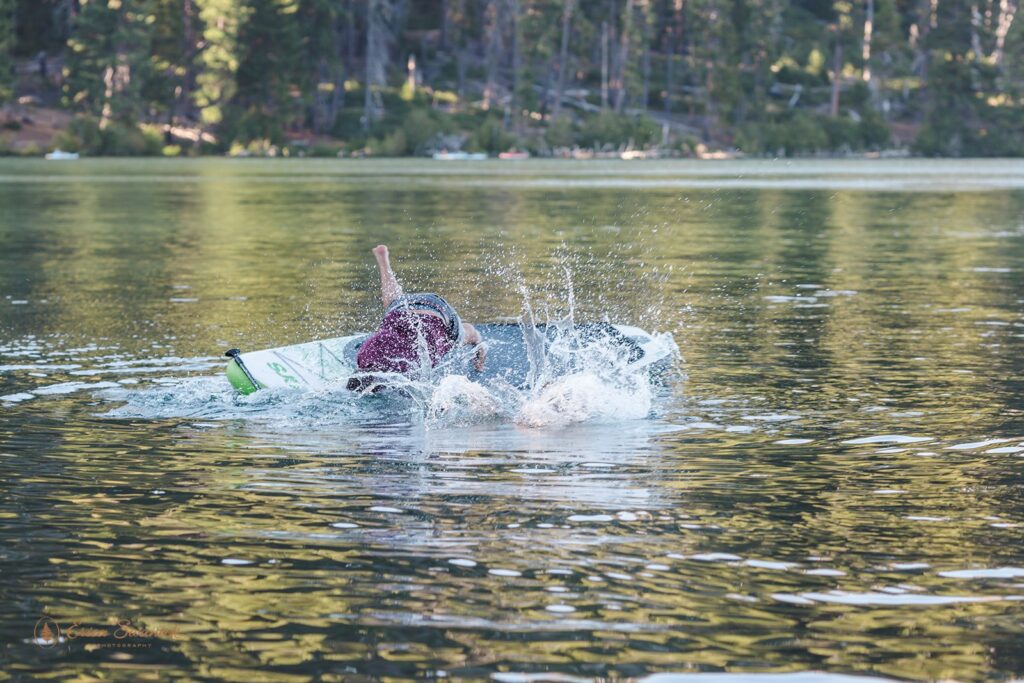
<point>389,287</point>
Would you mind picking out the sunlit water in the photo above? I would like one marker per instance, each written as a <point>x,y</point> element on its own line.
<point>828,481</point>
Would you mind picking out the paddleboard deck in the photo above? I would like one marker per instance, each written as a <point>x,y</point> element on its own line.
<point>328,363</point>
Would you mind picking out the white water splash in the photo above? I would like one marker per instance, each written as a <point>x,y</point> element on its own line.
<point>576,374</point>
<point>457,400</point>
<point>586,396</point>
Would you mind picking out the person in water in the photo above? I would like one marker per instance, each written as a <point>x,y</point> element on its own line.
<point>412,324</point>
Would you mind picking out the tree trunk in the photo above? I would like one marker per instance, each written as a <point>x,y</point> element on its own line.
<point>338,72</point>
<point>115,76</point>
<point>646,64</point>
<point>350,37</point>
<point>516,66</point>
<point>495,50</point>
<point>604,65</point>
<point>673,50</point>
<point>378,17</point>
<point>446,25</point>
<point>1007,11</point>
<point>865,49</point>
<point>563,57</point>
<point>837,68</point>
<point>711,51</point>
<point>670,58</point>
<point>330,76</point>
<point>623,57</point>
<point>188,39</point>
<point>460,71</point>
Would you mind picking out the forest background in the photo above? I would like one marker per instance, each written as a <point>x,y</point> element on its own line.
<point>551,77</point>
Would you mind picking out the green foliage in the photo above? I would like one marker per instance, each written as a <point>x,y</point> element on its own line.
<point>41,25</point>
<point>218,61</point>
<point>392,145</point>
<point>420,130</point>
<point>255,123</point>
<point>946,135</point>
<point>323,151</point>
<point>31,149</point>
<point>616,130</point>
<point>348,124</point>
<point>321,77</point>
<point>560,133</point>
<point>115,139</point>
<point>874,134</point>
<point>7,44</point>
<point>267,77</point>
<point>108,59</point>
<point>798,132</point>
<point>959,123</point>
<point>170,61</point>
<point>253,72</point>
<point>491,137</point>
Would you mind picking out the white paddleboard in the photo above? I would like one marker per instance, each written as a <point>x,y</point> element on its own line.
<point>330,362</point>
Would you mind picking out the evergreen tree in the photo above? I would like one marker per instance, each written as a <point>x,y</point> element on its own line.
<point>961,119</point>
<point>379,17</point>
<point>219,58</point>
<point>779,74</point>
<point>166,91</point>
<point>267,99</point>
<point>541,70</point>
<point>7,44</point>
<point>109,59</point>
<point>323,76</point>
<point>42,25</point>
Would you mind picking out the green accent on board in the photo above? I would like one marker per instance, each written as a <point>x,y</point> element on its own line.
<point>282,372</point>
<point>239,380</point>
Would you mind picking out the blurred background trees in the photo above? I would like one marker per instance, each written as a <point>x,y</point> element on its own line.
<point>393,77</point>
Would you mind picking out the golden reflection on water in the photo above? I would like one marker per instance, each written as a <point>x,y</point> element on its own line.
<point>283,549</point>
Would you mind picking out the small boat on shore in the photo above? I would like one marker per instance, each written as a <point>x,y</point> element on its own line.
<point>514,156</point>
<point>59,155</point>
<point>459,156</point>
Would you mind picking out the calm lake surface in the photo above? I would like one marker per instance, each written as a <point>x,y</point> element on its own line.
<point>831,480</point>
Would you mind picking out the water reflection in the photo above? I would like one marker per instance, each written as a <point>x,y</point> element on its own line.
<point>833,487</point>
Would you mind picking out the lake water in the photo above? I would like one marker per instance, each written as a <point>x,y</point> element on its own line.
<point>829,481</point>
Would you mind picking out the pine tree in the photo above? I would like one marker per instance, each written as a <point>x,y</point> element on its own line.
<point>563,56</point>
<point>842,33</point>
<point>270,54</point>
<point>219,59</point>
<point>168,88</point>
<point>109,59</point>
<point>760,70</point>
<point>323,76</point>
<point>379,17</point>
<point>7,42</point>
<point>541,28</point>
